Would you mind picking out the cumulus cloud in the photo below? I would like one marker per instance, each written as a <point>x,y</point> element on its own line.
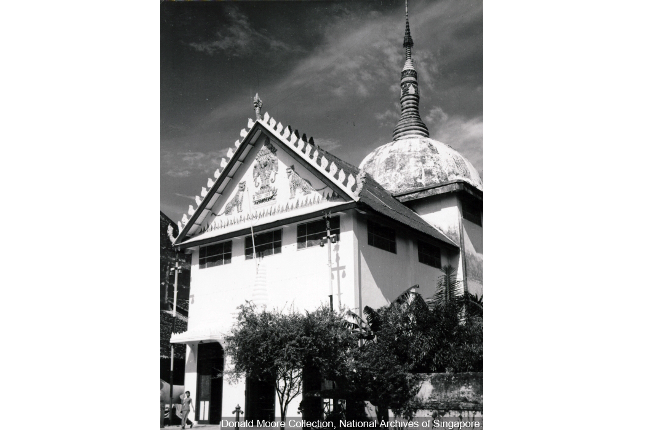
<point>435,117</point>
<point>239,39</point>
<point>463,134</point>
<point>387,118</point>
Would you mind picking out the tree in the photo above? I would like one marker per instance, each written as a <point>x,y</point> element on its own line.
<point>410,337</point>
<point>264,346</point>
<point>276,347</point>
<point>454,341</point>
<point>385,363</point>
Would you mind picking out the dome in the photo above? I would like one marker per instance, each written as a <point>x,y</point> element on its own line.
<point>418,162</point>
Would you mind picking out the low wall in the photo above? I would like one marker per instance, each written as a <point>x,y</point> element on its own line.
<point>452,391</point>
<point>451,397</point>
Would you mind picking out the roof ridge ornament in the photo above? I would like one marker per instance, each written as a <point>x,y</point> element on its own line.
<point>257,104</point>
<point>410,124</point>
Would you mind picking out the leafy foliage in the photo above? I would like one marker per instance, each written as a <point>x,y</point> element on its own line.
<point>410,337</point>
<point>276,347</point>
<point>381,358</point>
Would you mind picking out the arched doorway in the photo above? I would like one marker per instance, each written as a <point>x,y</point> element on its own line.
<point>210,365</point>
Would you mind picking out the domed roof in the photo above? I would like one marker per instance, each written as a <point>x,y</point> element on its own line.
<point>418,162</point>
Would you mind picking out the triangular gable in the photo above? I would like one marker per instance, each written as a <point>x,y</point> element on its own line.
<point>272,171</point>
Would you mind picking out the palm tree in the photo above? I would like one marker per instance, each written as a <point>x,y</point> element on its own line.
<point>448,295</point>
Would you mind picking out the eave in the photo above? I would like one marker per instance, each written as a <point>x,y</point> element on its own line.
<point>454,186</point>
<point>245,231</point>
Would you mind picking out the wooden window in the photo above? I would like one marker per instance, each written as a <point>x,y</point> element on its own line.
<point>310,233</point>
<point>429,254</point>
<point>268,243</point>
<point>215,255</point>
<point>381,237</point>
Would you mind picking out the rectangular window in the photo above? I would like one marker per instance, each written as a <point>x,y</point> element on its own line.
<point>215,255</point>
<point>429,254</point>
<point>268,243</point>
<point>310,233</point>
<point>472,211</point>
<point>381,237</point>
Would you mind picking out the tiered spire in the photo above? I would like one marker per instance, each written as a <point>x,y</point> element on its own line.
<point>410,124</point>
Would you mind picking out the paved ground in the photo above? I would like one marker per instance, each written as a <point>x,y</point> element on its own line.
<point>195,426</point>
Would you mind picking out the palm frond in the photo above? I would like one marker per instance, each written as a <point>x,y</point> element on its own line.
<point>447,287</point>
<point>405,297</point>
<point>373,318</point>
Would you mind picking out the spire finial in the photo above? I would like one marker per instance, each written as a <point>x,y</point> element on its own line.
<point>257,104</point>
<point>410,124</point>
<point>407,39</point>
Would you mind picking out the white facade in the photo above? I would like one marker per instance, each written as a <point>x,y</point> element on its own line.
<point>275,181</point>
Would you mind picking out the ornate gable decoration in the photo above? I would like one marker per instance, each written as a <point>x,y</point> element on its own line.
<point>296,182</point>
<point>264,173</point>
<point>237,201</point>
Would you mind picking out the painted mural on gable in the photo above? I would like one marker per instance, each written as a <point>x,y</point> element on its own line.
<point>272,183</point>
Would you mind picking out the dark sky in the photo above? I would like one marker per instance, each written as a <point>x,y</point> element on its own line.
<point>329,69</point>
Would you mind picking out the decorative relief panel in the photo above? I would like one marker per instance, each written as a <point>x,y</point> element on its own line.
<point>272,183</point>
<point>296,182</point>
<point>264,173</point>
<point>237,200</point>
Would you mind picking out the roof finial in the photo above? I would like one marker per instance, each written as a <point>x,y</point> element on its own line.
<point>407,39</point>
<point>257,104</point>
<point>410,124</point>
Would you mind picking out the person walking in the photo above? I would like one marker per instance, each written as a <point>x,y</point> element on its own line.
<point>186,404</point>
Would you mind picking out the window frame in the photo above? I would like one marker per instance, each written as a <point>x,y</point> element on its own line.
<point>472,211</point>
<point>248,244</point>
<point>421,244</point>
<point>377,240</point>
<point>227,249</point>
<point>315,242</point>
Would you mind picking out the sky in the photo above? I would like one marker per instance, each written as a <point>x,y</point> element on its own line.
<point>329,69</point>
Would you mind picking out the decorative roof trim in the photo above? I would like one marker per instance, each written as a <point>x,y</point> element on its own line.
<point>338,177</point>
<point>258,228</point>
<point>345,182</point>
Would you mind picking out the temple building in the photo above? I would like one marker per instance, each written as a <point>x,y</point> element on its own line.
<point>412,206</point>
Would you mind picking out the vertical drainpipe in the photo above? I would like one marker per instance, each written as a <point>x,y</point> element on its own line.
<point>357,265</point>
<point>462,251</point>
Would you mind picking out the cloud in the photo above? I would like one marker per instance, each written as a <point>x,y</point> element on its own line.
<point>183,164</point>
<point>387,118</point>
<point>435,117</point>
<point>356,56</point>
<point>390,117</point>
<point>463,134</point>
<point>239,39</point>
<point>327,144</point>
<point>185,196</point>
<point>176,173</point>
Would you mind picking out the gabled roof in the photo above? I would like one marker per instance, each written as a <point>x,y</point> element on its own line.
<point>348,179</point>
<point>377,198</point>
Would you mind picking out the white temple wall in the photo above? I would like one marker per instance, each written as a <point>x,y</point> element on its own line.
<point>444,213</point>
<point>297,278</point>
<point>441,212</point>
<point>474,255</point>
<point>190,375</point>
<point>233,393</point>
<point>385,275</point>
